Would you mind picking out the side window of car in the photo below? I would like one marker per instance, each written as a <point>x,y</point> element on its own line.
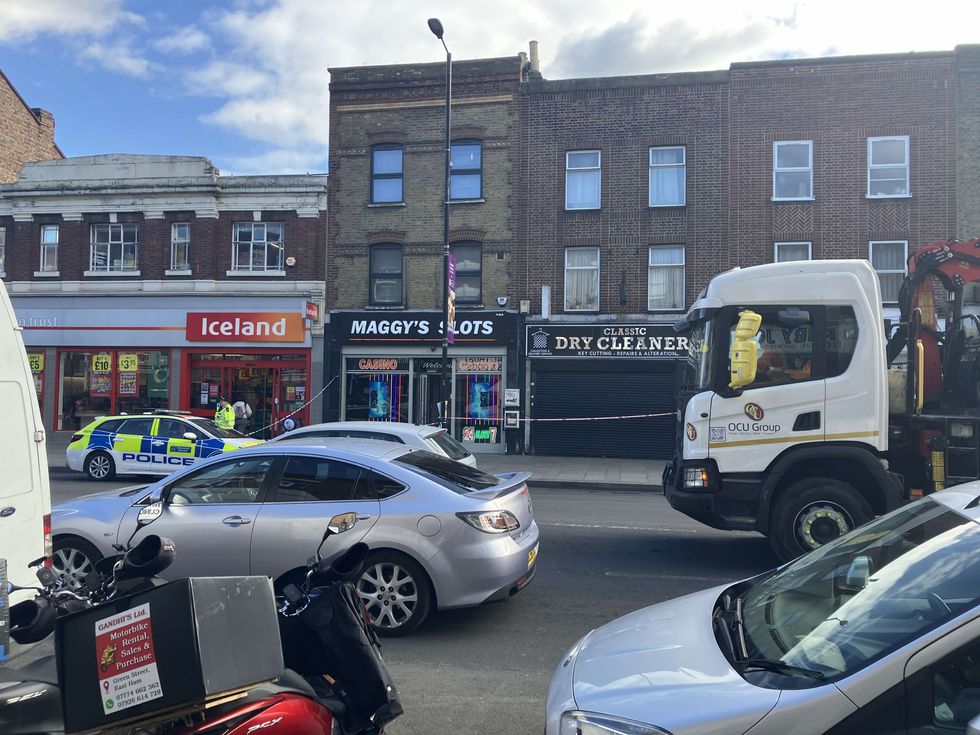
<point>387,438</point>
<point>172,429</point>
<point>137,427</point>
<point>311,479</point>
<point>385,487</point>
<point>234,481</point>
<point>956,689</point>
<point>110,426</point>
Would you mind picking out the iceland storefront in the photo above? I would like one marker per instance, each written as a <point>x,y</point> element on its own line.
<point>590,371</point>
<point>388,368</point>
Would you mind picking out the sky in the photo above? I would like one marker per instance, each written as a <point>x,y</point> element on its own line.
<point>245,82</point>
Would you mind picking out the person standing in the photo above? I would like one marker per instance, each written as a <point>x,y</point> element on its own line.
<point>224,414</point>
<point>243,412</point>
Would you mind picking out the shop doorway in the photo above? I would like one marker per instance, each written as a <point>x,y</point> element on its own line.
<point>273,386</point>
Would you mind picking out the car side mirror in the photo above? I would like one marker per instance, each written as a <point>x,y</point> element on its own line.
<point>340,523</point>
<point>190,435</point>
<point>148,514</point>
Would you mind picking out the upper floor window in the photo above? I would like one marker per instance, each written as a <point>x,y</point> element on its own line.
<point>386,174</point>
<point>888,166</point>
<point>386,275</point>
<point>583,174</point>
<point>180,246</point>
<point>792,169</point>
<point>3,249</point>
<point>888,258</point>
<point>784,252</point>
<point>466,179</point>
<point>665,277</point>
<point>582,279</point>
<point>114,248</point>
<point>469,272</point>
<point>49,248</point>
<point>668,176</point>
<point>258,246</point>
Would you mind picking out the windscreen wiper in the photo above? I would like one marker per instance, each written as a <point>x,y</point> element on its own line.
<point>779,667</point>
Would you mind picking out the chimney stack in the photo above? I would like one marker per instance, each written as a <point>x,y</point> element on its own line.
<point>535,62</point>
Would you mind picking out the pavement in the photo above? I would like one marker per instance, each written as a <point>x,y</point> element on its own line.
<point>596,473</point>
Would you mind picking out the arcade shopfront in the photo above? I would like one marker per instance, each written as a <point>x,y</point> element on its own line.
<point>389,365</point>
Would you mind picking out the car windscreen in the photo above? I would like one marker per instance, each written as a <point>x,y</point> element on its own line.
<point>868,593</point>
<point>445,442</point>
<point>212,428</point>
<point>452,475</point>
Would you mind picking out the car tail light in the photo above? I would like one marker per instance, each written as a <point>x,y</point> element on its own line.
<point>48,550</point>
<point>492,521</point>
<point>74,438</point>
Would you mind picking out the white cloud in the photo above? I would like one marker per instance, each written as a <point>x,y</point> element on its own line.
<point>118,57</point>
<point>309,159</point>
<point>23,20</point>
<point>227,79</point>
<point>184,40</point>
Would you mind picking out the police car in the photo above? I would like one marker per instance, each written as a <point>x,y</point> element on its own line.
<point>155,443</point>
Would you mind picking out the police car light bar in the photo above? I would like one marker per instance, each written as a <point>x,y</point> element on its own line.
<point>165,412</point>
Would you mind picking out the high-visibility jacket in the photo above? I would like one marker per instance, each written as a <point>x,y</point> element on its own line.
<point>224,417</point>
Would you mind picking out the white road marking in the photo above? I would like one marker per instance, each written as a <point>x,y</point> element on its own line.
<point>677,577</point>
<point>619,528</point>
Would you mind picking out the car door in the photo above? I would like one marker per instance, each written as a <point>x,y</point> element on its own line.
<point>210,514</point>
<point>306,492</point>
<point>180,450</point>
<point>134,449</point>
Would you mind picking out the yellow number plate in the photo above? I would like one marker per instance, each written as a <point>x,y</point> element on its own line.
<point>532,555</point>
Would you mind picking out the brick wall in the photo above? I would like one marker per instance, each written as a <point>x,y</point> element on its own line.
<point>26,134</point>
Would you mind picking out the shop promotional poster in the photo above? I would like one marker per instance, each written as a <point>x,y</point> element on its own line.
<point>379,404</point>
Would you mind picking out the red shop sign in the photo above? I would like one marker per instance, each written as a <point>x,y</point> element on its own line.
<point>244,327</point>
<point>312,311</point>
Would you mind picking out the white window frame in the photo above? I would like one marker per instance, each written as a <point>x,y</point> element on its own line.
<point>116,237</point>
<point>597,268</point>
<point>237,268</point>
<point>776,170</point>
<point>597,167</point>
<point>3,251</point>
<point>775,250</point>
<point>683,267</point>
<point>682,165</point>
<point>905,260</point>
<point>46,246</point>
<point>908,168</point>
<point>175,241</point>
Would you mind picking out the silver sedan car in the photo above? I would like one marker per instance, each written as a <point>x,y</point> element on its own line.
<point>875,632</point>
<point>442,534</point>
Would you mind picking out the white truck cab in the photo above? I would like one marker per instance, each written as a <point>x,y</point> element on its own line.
<point>25,498</point>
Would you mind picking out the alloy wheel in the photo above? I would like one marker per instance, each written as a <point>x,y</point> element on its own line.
<point>98,466</point>
<point>389,593</point>
<point>72,565</point>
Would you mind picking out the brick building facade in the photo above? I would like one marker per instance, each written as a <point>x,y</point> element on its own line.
<point>117,260</point>
<point>26,133</point>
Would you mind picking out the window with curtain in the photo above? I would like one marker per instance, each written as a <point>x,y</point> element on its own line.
<point>582,279</point>
<point>888,258</point>
<point>386,174</point>
<point>788,251</point>
<point>3,249</point>
<point>466,180</point>
<point>888,166</point>
<point>792,169</point>
<point>114,248</point>
<point>180,246</point>
<point>583,174</point>
<point>665,282</point>
<point>386,275</point>
<point>668,176</point>
<point>258,246</point>
<point>49,248</point>
<point>469,272</point>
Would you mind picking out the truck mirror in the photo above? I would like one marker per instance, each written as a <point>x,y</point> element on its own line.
<point>743,355</point>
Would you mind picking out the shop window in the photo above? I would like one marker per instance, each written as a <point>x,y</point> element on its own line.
<point>308,479</point>
<point>469,272</point>
<point>784,252</point>
<point>180,246</point>
<point>583,179</point>
<point>582,279</point>
<point>668,176</point>
<point>665,277</point>
<point>36,361</point>
<point>888,258</point>
<point>888,167</point>
<point>466,180</point>
<point>377,396</point>
<point>792,170</point>
<point>479,403</point>
<point>386,275</point>
<point>49,248</point>
<point>114,248</point>
<point>386,174</point>
<point>258,247</point>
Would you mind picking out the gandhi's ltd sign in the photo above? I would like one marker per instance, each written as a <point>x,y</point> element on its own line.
<point>656,341</point>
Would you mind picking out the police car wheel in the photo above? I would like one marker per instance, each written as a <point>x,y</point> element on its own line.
<point>100,466</point>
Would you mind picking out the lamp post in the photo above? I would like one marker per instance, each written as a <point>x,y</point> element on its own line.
<point>435,25</point>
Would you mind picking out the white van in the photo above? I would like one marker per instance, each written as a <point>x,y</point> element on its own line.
<point>25,497</point>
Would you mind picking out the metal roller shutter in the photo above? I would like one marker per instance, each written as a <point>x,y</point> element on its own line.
<point>564,394</point>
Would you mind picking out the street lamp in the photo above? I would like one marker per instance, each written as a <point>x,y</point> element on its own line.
<point>435,25</point>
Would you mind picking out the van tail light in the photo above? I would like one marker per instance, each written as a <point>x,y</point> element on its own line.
<point>74,438</point>
<point>48,549</point>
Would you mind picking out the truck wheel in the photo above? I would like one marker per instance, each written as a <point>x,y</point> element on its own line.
<point>812,512</point>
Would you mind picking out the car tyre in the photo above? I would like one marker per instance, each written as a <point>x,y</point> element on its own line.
<point>812,512</point>
<point>396,592</point>
<point>73,558</point>
<point>100,466</point>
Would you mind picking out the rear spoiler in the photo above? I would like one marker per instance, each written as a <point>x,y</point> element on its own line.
<point>509,482</point>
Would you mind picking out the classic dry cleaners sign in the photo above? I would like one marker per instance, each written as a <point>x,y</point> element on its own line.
<point>605,340</point>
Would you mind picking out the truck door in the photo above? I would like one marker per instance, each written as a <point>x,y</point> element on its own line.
<point>785,404</point>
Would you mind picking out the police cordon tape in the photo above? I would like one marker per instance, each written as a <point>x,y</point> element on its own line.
<point>603,418</point>
<point>296,411</point>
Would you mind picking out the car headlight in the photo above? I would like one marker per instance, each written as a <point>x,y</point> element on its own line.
<point>590,723</point>
<point>696,477</point>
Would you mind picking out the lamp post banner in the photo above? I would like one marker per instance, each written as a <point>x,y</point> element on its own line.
<point>451,299</point>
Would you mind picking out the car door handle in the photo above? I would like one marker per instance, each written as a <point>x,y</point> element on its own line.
<point>364,518</point>
<point>235,521</point>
